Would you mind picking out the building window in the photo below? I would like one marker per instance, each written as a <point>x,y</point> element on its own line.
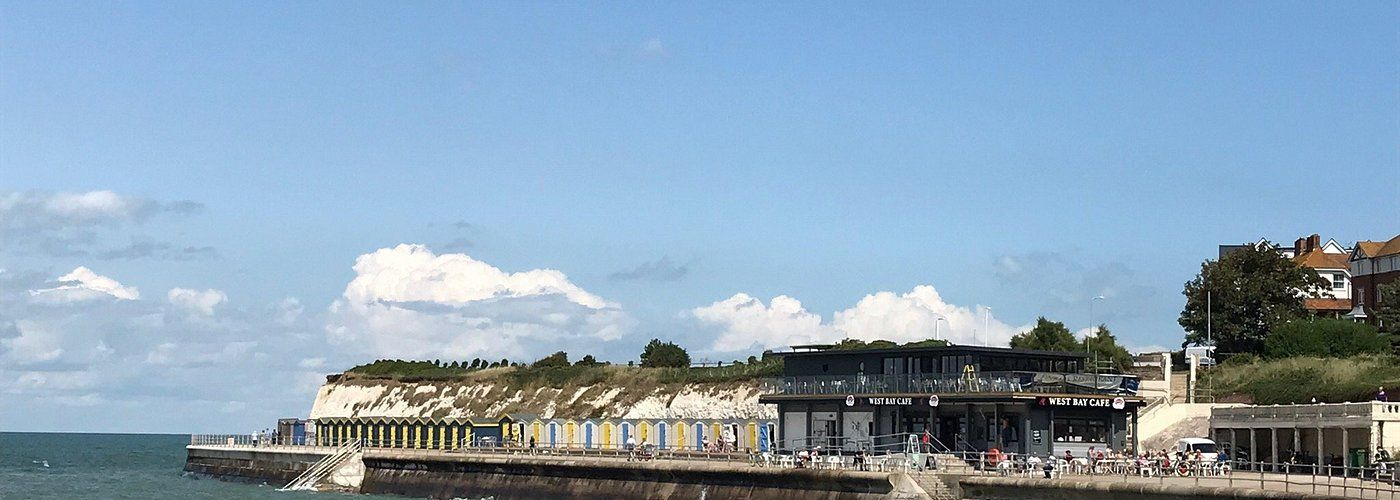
<point>892,366</point>
<point>1080,430</point>
<point>1339,281</point>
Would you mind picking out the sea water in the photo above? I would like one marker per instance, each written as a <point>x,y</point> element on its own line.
<point>135,466</point>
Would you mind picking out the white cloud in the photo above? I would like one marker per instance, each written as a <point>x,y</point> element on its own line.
<point>196,301</point>
<point>312,363</point>
<point>412,273</point>
<point>81,285</point>
<point>912,317</point>
<point>747,323</point>
<point>408,302</point>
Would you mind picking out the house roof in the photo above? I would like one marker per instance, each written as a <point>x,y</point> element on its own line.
<point>1318,259</point>
<point>1379,248</point>
<point>1327,304</point>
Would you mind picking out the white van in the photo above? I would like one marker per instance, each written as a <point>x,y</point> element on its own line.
<point>1203,445</point>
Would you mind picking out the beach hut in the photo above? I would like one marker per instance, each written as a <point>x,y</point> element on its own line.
<point>697,435</point>
<point>590,434</point>
<point>553,438</point>
<point>609,431</point>
<point>751,435</point>
<point>661,428</point>
<point>644,433</point>
<point>680,434</point>
<point>571,437</point>
<point>626,430</point>
<point>536,428</point>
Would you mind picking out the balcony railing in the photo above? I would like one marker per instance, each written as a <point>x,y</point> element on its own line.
<point>977,382</point>
<point>1376,410</point>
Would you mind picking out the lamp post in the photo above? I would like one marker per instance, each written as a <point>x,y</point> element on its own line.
<point>935,326</point>
<point>1091,321</point>
<point>986,324</point>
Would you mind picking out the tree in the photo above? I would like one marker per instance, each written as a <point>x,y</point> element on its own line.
<point>1387,312</point>
<point>476,363</point>
<point>659,354</point>
<point>1103,346</point>
<point>1252,291</point>
<point>1335,338</point>
<point>557,359</point>
<point>1047,336</point>
<point>588,360</point>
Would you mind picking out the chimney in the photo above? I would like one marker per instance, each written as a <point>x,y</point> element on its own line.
<point>1298,247</point>
<point>1314,242</point>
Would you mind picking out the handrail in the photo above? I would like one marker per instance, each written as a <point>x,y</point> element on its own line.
<point>947,383</point>
<point>308,479</point>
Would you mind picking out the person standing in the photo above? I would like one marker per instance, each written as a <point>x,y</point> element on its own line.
<point>1380,395</point>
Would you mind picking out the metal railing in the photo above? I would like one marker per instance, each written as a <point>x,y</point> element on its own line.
<point>976,382</point>
<point>1379,482</point>
<point>252,441</point>
<point>1371,409</point>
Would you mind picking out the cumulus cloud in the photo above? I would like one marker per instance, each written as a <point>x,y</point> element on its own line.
<point>81,285</point>
<point>407,301</point>
<point>196,301</point>
<point>659,270</point>
<point>747,323</point>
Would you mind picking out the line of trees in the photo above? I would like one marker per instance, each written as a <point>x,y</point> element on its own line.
<point>1102,345</point>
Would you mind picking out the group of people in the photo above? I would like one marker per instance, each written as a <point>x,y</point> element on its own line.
<point>727,443</point>
<point>1110,460</point>
<point>265,437</point>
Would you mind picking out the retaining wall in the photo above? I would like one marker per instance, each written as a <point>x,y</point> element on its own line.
<point>427,474</point>
<point>989,488</point>
<point>254,465</point>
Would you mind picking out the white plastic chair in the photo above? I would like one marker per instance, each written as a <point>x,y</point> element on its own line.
<point>834,462</point>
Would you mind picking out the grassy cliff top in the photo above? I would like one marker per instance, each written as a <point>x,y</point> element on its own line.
<point>559,376</point>
<point>1298,380</point>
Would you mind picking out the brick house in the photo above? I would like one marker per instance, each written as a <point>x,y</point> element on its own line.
<point>1372,263</point>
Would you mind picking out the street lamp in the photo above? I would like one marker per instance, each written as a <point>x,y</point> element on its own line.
<point>935,325</point>
<point>986,324</point>
<point>1091,333</point>
<point>1091,321</point>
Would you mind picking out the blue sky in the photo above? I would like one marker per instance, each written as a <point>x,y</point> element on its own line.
<point>682,164</point>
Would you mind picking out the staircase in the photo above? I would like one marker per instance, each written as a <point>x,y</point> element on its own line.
<point>323,467</point>
<point>935,487</point>
<point>953,464</point>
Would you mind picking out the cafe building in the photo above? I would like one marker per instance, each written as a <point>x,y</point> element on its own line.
<point>966,398</point>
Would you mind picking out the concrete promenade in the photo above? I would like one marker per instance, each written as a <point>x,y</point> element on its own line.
<point>519,474</point>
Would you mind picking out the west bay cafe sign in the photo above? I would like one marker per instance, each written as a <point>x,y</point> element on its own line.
<point>1117,403</point>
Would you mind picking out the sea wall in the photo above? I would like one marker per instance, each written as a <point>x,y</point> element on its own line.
<point>253,465</point>
<point>1000,488</point>
<point>427,474</point>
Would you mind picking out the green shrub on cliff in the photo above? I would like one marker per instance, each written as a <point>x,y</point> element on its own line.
<point>658,354</point>
<point>1299,379</point>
